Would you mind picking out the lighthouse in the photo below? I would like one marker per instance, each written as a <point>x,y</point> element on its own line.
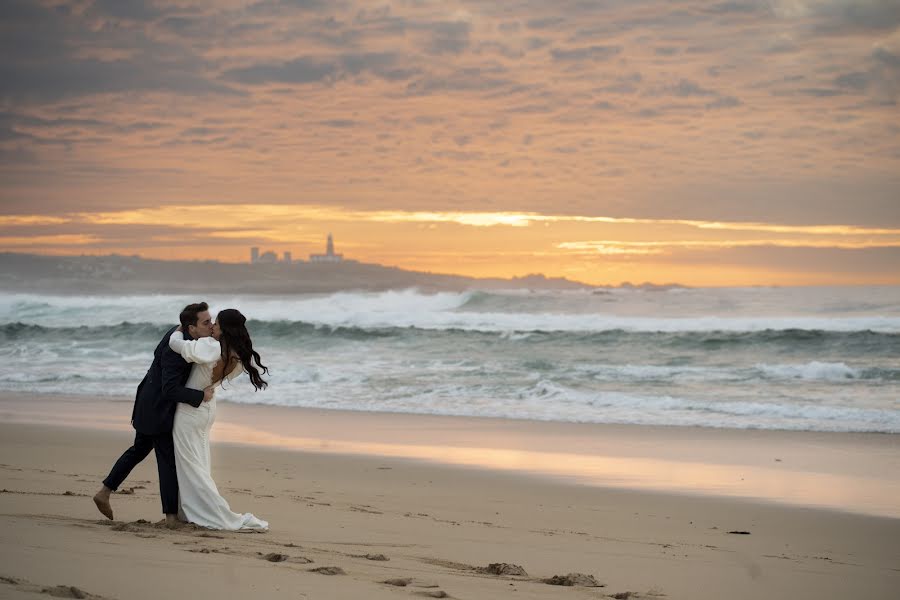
<point>330,256</point>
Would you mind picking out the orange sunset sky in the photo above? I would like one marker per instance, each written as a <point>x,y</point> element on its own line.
<point>710,143</point>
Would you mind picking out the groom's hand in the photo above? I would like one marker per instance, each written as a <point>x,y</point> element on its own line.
<point>208,393</point>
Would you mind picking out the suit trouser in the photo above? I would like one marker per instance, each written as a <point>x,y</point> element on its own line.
<point>165,462</point>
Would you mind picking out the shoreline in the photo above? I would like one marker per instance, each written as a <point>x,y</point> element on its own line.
<point>850,472</point>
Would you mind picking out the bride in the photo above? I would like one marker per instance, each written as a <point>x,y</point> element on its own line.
<point>225,355</point>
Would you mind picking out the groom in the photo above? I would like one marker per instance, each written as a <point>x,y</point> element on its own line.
<point>154,413</point>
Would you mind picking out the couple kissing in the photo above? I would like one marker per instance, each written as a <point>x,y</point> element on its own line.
<point>174,410</point>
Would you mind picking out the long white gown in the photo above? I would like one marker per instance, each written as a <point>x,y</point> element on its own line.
<point>199,499</point>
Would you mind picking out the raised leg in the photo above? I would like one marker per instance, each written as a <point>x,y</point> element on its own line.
<point>123,467</point>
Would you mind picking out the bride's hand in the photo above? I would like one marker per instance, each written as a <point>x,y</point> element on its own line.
<point>208,393</point>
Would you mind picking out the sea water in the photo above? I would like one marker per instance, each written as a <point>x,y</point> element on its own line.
<point>819,359</point>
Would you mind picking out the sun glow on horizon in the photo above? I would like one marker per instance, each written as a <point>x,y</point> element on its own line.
<point>591,248</point>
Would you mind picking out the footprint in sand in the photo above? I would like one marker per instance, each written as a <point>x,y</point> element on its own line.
<point>429,590</point>
<point>277,557</point>
<point>27,493</point>
<point>366,509</point>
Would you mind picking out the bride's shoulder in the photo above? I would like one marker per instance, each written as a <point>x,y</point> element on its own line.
<point>236,366</point>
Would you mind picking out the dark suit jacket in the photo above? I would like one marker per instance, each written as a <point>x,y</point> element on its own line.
<point>162,389</point>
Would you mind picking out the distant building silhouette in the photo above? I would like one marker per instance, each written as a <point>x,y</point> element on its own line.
<point>267,258</point>
<point>329,255</point>
<point>271,258</point>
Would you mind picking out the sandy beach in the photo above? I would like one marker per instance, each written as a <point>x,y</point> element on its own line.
<point>431,502</point>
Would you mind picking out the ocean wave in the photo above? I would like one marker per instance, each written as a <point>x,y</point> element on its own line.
<point>811,371</point>
<point>127,337</point>
<point>464,311</point>
<point>73,379</point>
<point>814,370</point>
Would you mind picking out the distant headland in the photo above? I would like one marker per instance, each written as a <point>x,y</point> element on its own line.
<point>263,274</point>
<point>135,275</point>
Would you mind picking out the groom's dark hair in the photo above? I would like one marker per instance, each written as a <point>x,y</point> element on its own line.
<point>188,316</point>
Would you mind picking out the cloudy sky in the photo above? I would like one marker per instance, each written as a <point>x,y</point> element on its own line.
<point>711,143</point>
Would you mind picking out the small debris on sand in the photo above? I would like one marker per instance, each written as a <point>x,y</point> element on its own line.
<point>572,579</point>
<point>328,571</point>
<point>739,532</point>
<point>399,582</point>
<point>275,557</point>
<point>376,557</point>
<point>504,569</point>
<point>64,591</point>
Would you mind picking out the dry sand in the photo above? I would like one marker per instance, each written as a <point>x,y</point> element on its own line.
<point>437,526</point>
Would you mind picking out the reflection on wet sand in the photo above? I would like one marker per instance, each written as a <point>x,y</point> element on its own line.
<point>849,472</point>
<point>826,490</point>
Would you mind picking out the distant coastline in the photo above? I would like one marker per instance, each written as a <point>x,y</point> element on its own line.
<point>132,274</point>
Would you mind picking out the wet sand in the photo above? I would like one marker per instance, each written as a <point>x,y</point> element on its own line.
<point>441,499</point>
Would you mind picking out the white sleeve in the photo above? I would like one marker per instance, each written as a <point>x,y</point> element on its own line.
<point>176,341</point>
<point>204,350</point>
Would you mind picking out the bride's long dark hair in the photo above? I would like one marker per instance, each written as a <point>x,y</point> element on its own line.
<point>235,339</point>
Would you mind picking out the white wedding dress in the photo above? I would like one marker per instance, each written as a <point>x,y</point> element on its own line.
<point>199,499</point>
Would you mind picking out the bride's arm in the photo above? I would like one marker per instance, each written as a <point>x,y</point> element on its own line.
<point>204,350</point>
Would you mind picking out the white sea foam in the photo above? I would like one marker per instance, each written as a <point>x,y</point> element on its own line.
<point>811,371</point>
<point>609,372</point>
